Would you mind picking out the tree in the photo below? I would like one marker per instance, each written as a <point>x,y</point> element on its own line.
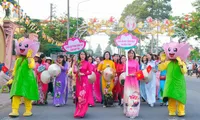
<point>48,48</point>
<point>7,7</point>
<point>189,23</point>
<point>142,9</point>
<point>194,54</point>
<point>108,48</point>
<point>57,28</point>
<point>111,40</point>
<point>196,4</point>
<point>157,9</point>
<point>98,51</point>
<point>90,52</point>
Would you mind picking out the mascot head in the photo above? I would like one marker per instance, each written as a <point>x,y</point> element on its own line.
<point>23,46</point>
<point>176,49</point>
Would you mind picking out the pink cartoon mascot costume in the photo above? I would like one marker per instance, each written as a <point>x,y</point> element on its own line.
<point>24,82</point>
<point>175,86</point>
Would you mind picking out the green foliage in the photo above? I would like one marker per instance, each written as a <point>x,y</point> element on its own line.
<point>98,51</point>
<point>8,11</point>
<point>32,26</point>
<point>195,55</point>
<point>108,48</point>
<point>112,40</point>
<point>142,9</point>
<point>157,9</point>
<point>90,52</point>
<point>135,8</point>
<point>190,24</point>
<point>57,29</point>
<point>196,4</point>
<point>48,48</point>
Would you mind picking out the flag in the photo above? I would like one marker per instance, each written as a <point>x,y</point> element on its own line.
<point>149,68</point>
<point>4,69</point>
<point>139,75</point>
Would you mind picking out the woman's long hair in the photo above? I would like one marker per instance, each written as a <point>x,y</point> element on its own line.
<point>105,55</point>
<point>133,53</point>
<point>72,62</point>
<point>91,57</point>
<point>79,55</point>
<point>152,58</point>
<point>63,61</point>
<point>117,59</point>
<point>120,59</point>
<point>139,62</point>
<point>143,60</point>
<point>40,58</point>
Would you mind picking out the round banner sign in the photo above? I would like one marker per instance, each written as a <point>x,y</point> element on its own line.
<point>126,41</point>
<point>74,45</point>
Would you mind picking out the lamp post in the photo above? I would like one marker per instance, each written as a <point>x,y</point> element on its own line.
<point>78,13</point>
<point>19,12</point>
<point>157,21</point>
<point>68,22</point>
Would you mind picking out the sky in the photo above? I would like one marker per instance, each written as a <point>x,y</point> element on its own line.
<point>91,8</point>
<point>100,9</point>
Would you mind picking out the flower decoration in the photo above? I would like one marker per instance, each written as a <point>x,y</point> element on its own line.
<point>130,23</point>
<point>112,19</point>
<point>58,95</point>
<point>58,84</point>
<point>149,19</point>
<point>82,93</point>
<point>166,22</point>
<point>140,25</point>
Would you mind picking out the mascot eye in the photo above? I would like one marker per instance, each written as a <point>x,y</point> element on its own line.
<point>169,49</point>
<point>26,46</point>
<point>20,44</point>
<point>175,50</point>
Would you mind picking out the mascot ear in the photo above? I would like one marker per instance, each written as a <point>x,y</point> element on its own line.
<point>35,47</point>
<point>16,47</point>
<point>183,50</point>
<point>165,47</point>
<point>33,37</point>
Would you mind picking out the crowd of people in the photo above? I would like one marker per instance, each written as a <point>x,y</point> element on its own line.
<point>193,68</point>
<point>120,80</point>
<point>73,80</point>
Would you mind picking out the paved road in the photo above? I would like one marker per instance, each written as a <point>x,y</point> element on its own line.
<point>115,113</point>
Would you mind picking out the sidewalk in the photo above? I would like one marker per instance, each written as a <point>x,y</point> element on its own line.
<point>4,100</point>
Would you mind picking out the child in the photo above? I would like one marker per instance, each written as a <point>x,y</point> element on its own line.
<point>162,84</point>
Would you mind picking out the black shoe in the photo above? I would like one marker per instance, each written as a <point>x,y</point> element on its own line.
<point>119,102</point>
<point>143,100</point>
<point>122,105</point>
<point>161,104</point>
<point>45,102</point>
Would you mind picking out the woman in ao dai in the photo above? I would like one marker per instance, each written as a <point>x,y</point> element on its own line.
<point>131,88</point>
<point>150,87</point>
